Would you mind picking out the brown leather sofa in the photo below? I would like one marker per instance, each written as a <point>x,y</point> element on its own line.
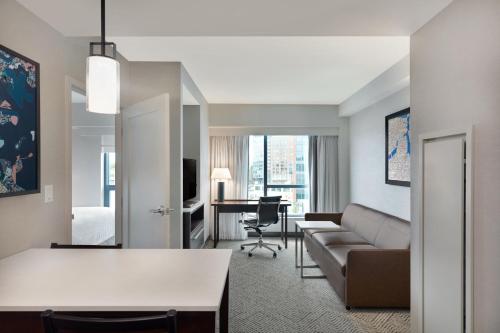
<point>367,261</point>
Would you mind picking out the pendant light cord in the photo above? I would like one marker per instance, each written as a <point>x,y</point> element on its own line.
<point>103,27</point>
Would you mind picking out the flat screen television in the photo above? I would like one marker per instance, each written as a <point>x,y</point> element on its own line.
<point>188,179</point>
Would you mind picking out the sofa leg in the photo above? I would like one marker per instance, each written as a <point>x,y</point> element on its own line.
<point>348,308</point>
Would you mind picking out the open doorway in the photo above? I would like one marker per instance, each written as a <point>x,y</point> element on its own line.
<point>93,174</point>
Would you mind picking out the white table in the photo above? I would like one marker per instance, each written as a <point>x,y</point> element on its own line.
<point>193,282</point>
<point>303,225</point>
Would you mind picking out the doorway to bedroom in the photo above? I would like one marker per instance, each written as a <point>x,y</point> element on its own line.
<point>93,174</point>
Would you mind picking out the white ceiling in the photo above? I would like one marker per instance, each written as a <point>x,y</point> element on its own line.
<point>286,52</point>
<point>238,17</point>
<point>273,70</point>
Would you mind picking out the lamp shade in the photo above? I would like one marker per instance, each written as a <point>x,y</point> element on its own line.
<point>103,85</point>
<point>221,173</point>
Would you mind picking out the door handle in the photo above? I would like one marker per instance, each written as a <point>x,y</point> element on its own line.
<point>161,210</point>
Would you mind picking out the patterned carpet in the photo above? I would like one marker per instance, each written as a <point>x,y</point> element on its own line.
<point>268,295</point>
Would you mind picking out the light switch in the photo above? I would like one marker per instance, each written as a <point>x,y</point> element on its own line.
<point>49,193</point>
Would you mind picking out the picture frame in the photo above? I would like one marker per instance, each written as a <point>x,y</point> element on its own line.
<point>19,124</point>
<point>398,148</point>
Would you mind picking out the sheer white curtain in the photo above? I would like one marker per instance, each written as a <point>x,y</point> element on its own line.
<point>324,174</point>
<point>230,152</point>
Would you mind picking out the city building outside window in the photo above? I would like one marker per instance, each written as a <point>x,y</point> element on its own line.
<point>278,165</point>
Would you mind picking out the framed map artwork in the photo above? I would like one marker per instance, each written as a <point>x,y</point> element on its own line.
<point>397,148</point>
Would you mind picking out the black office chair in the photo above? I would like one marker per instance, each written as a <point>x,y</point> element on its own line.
<point>67,246</point>
<point>59,323</point>
<point>267,214</point>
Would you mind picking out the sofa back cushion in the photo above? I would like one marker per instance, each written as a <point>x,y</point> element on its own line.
<point>394,234</point>
<point>380,229</point>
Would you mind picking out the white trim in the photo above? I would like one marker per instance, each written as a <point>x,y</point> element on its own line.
<point>69,85</point>
<point>469,227</point>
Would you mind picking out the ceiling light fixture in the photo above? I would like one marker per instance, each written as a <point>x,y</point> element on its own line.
<point>103,74</point>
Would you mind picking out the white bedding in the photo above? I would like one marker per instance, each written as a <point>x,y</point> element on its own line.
<point>93,226</point>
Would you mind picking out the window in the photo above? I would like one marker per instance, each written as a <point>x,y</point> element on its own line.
<point>278,165</point>
<point>109,179</point>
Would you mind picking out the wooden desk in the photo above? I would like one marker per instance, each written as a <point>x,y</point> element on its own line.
<point>115,283</point>
<point>247,206</point>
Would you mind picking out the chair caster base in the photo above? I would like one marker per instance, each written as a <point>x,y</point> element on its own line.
<point>250,254</point>
<point>242,248</point>
<point>274,255</point>
<point>280,248</point>
<point>348,308</point>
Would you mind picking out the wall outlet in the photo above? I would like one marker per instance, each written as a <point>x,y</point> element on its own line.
<point>49,193</point>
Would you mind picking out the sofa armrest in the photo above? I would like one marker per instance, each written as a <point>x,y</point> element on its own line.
<point>378,278</point>
<point>334,217</point>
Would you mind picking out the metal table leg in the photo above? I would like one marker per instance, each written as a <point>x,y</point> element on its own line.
<point>296,247</point>
<point>286,227</point>
<point>302,262</point>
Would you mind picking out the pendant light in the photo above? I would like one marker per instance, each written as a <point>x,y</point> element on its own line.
<point>103,74</point>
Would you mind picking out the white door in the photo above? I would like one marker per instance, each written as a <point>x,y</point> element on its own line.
<point>443,235</point>
<point>146,174</point>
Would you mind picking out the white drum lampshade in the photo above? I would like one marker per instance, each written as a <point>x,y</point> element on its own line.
<point>220,174</point>
<point>103,85</point>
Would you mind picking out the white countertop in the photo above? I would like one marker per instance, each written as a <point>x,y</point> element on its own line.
<point>326,225</point>
<point>113,280</point>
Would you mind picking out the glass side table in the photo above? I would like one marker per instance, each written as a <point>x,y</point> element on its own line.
<point>300,226</point>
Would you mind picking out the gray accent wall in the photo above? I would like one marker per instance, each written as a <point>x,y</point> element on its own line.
<point>367,143</point>
<point>455,84</point>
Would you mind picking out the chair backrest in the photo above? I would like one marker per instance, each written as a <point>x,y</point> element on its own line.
<point>268,210</point>
<point>67,246</point>
<point>59,323</point>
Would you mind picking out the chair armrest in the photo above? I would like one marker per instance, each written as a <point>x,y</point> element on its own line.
<point>334,217</point>
<point>378,278</point>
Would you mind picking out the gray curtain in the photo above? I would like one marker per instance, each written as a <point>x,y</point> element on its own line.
<point>230,152</point>
<point>323,174</point>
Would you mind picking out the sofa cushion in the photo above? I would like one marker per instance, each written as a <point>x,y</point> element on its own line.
<point>338,238</point>
<point>311,232</point>
<point>394,234</point>
<point>365,221</point>
<point>337,254</point>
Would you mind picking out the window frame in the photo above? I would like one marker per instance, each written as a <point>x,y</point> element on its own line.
<point>107,188</point>
<point>265,184</point>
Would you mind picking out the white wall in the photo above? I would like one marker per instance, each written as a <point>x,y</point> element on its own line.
<point>191,138</point>
<point>247,119</point>
<point>367,142</point>
<point>204,168</point>
<point>455,83</point>
<point>86,161</point>
<point>26,221</point>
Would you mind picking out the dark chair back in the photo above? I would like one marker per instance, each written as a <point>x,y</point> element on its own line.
<point>59,323</point>
<point>67,246</point>
<point>268,210</point>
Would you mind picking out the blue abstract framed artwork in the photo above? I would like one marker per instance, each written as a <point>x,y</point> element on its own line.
<point>19,124</point>
<point>397,148</point>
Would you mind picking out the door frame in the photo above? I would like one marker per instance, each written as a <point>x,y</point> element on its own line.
<point>70,85</point>
<point>468,134</point>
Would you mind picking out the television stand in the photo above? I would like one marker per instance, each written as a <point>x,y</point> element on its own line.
<point>193,226</point>
<point>190,203</point>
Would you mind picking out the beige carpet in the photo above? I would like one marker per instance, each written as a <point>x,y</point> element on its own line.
<point>268,295</point>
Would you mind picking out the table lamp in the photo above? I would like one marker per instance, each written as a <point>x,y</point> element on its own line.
<point>220,174</point>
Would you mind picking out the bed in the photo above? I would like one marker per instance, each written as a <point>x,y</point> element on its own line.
<point>93,226</point>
